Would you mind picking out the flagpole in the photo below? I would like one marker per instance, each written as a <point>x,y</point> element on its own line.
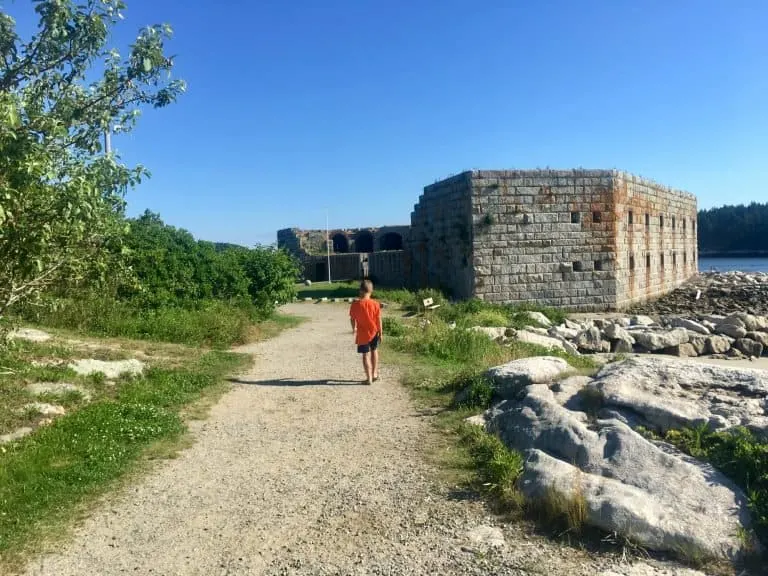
<point>328,245</point>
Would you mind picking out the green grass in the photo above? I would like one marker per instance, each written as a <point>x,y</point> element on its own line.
<point>46,477</point>
<point>211,323</point>
<point>738,454</point>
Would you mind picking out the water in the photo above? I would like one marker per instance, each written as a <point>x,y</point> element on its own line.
<point>731,264</point>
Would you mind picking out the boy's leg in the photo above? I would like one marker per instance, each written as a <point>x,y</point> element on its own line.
<point>375,363</point>
<point>367,366</point>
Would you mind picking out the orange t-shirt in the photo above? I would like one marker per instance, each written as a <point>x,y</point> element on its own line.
<point>367,314</point>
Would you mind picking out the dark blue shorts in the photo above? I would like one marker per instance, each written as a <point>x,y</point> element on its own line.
<point>372,345</point>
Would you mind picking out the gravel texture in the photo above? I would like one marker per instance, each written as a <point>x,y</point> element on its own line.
<point>302,470</point>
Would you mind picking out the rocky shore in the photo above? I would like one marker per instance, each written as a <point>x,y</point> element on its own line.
<point>713,293</point>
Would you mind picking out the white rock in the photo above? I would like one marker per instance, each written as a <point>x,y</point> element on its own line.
<point>539,318</point>
<point>653,340</point>
<point>538,339</point>
<point>643,569</point>
<point>110,368</point>
<point>494,333</point>
<point>57,389</point>
<point>486,536</point>
<point>476,420</point>
<point>642,321</point>
<point>30,335</point>
<point>512,376</point>
<point>689,325</point>
<point>563,331</point>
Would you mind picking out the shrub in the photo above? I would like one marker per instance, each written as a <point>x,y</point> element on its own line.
<point>393,327</point>
<point>498,467</point>
<point>474,391</point>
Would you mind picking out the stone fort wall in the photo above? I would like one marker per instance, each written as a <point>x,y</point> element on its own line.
<point>557,238</point>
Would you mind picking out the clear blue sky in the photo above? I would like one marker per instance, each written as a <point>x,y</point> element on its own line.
<point>355,105</point>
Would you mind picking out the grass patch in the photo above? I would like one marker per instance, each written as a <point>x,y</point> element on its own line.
<point>210,323</point>
<point>738,454</point>
<point>46,477</point>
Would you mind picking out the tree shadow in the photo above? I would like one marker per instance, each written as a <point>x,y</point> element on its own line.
<point>287,382</point>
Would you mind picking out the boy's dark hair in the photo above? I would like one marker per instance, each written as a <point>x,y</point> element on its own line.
<point>366,287</point>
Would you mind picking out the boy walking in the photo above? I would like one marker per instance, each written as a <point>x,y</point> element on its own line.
<point>365,317</point>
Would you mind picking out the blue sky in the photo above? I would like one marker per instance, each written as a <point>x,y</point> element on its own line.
<point>355,105</point>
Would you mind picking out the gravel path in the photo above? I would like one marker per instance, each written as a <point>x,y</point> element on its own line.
<point>300,470</point>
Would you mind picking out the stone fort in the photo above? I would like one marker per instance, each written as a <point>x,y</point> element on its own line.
<point>586,240</point>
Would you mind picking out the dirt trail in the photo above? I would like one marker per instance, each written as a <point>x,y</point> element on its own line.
<point>300,470</point>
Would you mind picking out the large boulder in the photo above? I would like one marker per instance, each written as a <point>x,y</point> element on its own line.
<point>732,326</point>
<point>718,345</point>
<point>590,340</point>
<point>749,347</point>
<point>691,325</point>
<point>494,333</point>
<point>653,340</point>
<point>510,378</point>
<point>699,344</point>
<point>651,493</point>
<point>642,321</point>
<point>539,318</point>
<point>622,342</point>
<point>538,339</point>
<point>686,350</point>
<point>562,331</point>
<point>110,368</point>
<point>761,337</point>
<point>670,393</point>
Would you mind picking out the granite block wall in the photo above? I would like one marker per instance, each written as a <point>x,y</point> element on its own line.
<point>656,238</point>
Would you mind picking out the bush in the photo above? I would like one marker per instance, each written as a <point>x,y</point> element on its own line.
<point>393,328</point>
<point>498,467</point>
<point>475,391</point>
<point>438,341</point>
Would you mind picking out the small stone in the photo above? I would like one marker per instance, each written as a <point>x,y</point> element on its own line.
<point>30,335</point>
<point>685,350</point>
<point>110,369</point>
<point>15,435</point>
<point>57,389</point>
<point>539,318</point>
<point>749,347</point>
<point>486,536</point>
<point>717,345</point>
<point>44,409</point>
<point>642,321</point>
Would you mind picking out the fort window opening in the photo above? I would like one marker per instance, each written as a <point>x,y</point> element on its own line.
<point>647,260</point>
<point>364,241</point>
<point>685,222</point>
<point>631,217</point>
<point>647,220</point>
<point>685,257</point>
<point>597,217</point>
<point>631,262</point>
<point>661,220</point>
<point>340,243</point>
<point>693,225</point>
<point>578,267</point>
<point>391,241</point>
<point>674,222</point>
<point>598,265</point>
<point>674,260</point>
<point>662,261</point>
<point>575,217</point>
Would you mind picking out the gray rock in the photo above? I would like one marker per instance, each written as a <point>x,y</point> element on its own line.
<point>537,330</point>
<point>689,325</point>
<point>539,318</point>
<point>653,341</point>
<point>590,340</point>
<point>643,569</point>
<point>570,324</point>
<point>538,339</point>
<point>657,496</point>
<point>513,376</point>
<point>670,393</point>
<point>476,420</point>
<point>563,331</point>
<point>761,337</point>
<point>307,282</point>
<point>749,347</point>
<point>699,344</point>
<point>717,345</point>
<point>492,332</point>
<point>734,354</point>
<point>685,350</point>
<point>623,322</point>
<point>642,321</point>
<point>110,368</point>
<point>616,332</point>
<point>732,326</point>
<point>570,348</point>
<point>622,346</point>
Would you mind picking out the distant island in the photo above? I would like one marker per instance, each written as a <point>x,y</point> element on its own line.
<point>734,231</point>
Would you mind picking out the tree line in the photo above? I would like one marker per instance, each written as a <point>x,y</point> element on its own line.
<point>734,229</point>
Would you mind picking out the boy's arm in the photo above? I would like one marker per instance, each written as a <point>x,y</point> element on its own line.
<point>381,325</point>
<point>352,320</point>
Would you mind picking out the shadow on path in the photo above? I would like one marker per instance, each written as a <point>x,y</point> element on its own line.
<point>284,382</point>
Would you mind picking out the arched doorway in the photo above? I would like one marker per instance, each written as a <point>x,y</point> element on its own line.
<point>391,241</point>
<point>364,241</point>
<point>340,243</point>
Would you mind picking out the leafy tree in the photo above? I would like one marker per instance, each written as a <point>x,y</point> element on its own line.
<point>61,196</point>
